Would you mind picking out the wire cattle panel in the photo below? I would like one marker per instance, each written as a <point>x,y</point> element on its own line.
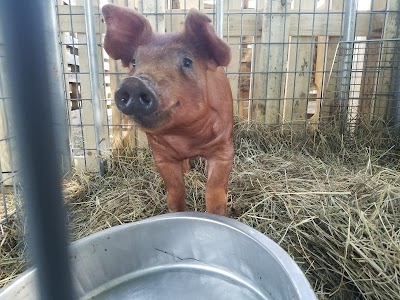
<point>295,63</point>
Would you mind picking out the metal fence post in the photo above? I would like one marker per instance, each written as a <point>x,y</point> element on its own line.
<point>24,30</point>
<point>94,81</point>
<point>349,28</point>
<point>396,61</point>
<point>53,49</point>
<point>219,18</point>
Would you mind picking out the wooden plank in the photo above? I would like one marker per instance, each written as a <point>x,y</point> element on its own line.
<point>72,59</point>
<point>154,10</point>
<point>329,86</point>
<point>383,104</point>
<point>355,82</point>
<point>235,64</point>
<point>69,41</point>
<point>269,80</point>
<point>320,68</point>
<point>237,25</point>
<point>298,79</point>
<point>92,162</point>
<point>244,90</point>
<point>103,84</point>
<point>181,4</point>
<point>368,83</point>
<point>371,64</point>
<point>115,113</point>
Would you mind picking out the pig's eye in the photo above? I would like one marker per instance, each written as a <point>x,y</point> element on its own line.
<point>187,63</point>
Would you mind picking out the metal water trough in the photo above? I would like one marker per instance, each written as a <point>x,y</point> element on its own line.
<point>178,256</point>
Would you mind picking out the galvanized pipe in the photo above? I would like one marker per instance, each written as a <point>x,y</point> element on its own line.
<point>396,61</point>
<point>219,18</point>
<point>5,139</point>
<point>349,29</point>
<point>56,88</point>
<point>94,81</point>
<point>33,106</point>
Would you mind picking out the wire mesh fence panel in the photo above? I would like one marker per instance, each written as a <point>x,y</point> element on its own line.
<point>287,69</point>
<point>373,91</point>
<point>280,72</point>
<point>9,181</point>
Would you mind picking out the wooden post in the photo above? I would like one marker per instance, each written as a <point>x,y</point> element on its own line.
<point>234,66</point>
<point>269,79</point>
<point>123,135</point>
<point>154,10</point>
<point>371,63</point>
<point>383,104</point>
<point>320,69</point>
<point>89,160</point>
<point>329,88</point>
<point>246,65</point>
<point>298,78</point>
<point>355,83</point>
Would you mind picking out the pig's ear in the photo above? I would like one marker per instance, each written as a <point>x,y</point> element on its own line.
<point>126,31</point>
<point>200,32</point>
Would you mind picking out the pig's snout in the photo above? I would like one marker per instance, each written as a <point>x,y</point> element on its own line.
<point>134,97</point>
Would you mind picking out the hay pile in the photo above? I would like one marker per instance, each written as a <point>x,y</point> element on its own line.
<point>332,202</point>
<point>12,249</point>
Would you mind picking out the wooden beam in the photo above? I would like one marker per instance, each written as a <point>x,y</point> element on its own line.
<point>300,67</point>
<point>235,64</point>
<point>331,62</point>
<point>355,82</point>
<point>384,106</point>
<point>238,24</point>
<point>371,65</point>
<point>92,163</point>
<point>269,80</point>
<point>320,68</point>
<point>154,10</point>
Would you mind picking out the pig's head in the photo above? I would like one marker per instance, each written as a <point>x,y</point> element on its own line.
<point>167,85</point>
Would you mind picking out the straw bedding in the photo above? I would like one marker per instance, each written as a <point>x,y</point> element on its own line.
<point>331,201</point>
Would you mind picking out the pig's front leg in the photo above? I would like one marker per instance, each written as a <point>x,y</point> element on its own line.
<point>217,184</point>
<point>172,174</point>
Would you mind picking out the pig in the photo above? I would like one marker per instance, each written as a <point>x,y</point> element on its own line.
<point>178,93</point>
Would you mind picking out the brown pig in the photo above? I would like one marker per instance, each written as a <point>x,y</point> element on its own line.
<point>179,94</point>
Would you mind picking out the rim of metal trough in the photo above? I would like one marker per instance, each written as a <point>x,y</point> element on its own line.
<point>84,247</point>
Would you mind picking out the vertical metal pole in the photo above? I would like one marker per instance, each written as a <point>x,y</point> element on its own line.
<point>32,106</point>
<point>396,62</point>
<point>349,27</point>
<point>5,105</point>
<point>94,81</point>
<point>54,67</point>
<point>219,18</point>
<point>6,135</point>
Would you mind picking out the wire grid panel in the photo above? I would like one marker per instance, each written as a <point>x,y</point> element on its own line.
<point>9,179</point>
<point>373,93</point>
<point>282,55</point>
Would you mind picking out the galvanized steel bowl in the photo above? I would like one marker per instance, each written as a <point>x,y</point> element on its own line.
<point>178,256</point>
